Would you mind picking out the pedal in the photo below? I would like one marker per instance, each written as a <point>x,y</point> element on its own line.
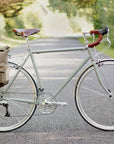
<point>55,103</point>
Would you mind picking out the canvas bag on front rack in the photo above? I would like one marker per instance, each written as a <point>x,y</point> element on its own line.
<point>4,67</point>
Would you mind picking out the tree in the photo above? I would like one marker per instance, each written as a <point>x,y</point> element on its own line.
<point>70,7</point>
<point>101,12</point>
<point>11,8</point>
<point>98,9</point>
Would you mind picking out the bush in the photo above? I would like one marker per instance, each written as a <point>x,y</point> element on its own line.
<point>74,24</point>
<point>104,15</point>
<point>31,17</point>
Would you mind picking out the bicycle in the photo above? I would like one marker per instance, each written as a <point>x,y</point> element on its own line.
<point>93,90</point>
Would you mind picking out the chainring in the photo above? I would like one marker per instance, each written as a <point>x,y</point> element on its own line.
<point>43,107</point>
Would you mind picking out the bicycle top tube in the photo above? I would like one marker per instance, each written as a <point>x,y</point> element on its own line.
<point>59,50</point>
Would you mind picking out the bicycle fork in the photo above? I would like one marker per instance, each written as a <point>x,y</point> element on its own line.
<point>98,74</point>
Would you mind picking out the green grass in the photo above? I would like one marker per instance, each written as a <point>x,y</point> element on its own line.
<point>110,52</point>
<point>13,42</point>
<point>100,47</point>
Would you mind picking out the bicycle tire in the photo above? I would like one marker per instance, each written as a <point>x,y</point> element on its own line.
<point>23,87</point>
<point>93,103</point>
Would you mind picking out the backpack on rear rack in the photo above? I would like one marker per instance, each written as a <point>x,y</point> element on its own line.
<point>4,67</point>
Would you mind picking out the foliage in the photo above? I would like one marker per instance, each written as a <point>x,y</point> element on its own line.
<point>74,24</point>
<point>16,22</point>
<point>97,9</point>
<point>70,7</point>
<point>110,19</point>
<point>31,17</point>
<point>98,14</point>
<point>103,15</point>
<point>11,8</point>
<point>63,6</point>
<point>101,12</point>
<point>85,3</point>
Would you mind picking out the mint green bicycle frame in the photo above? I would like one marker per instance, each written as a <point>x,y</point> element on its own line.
<point>38,81</point>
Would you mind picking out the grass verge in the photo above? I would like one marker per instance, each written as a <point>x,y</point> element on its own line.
<point>13,42</point>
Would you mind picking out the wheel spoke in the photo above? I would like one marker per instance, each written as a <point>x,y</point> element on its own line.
<point>23,88</point>
<point>93,103</point>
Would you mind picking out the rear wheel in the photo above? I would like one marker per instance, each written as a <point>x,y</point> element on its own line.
<point>14,114</point>
<point>92,101</point>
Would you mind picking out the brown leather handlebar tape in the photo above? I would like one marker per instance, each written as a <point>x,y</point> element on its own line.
<point>98,40</point>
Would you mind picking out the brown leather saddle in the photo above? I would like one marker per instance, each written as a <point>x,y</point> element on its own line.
<point>25,32</point>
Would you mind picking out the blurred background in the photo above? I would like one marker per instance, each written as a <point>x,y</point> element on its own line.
<point>54,17</point>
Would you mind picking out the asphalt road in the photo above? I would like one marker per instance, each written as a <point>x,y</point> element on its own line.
<point>65,125</point>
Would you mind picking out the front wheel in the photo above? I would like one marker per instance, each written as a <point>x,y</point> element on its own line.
<point>15,113</point>
<point>94,104</point>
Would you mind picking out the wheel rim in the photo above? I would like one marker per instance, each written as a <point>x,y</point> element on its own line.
<point>95,120</point>
<point>20,112</point>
